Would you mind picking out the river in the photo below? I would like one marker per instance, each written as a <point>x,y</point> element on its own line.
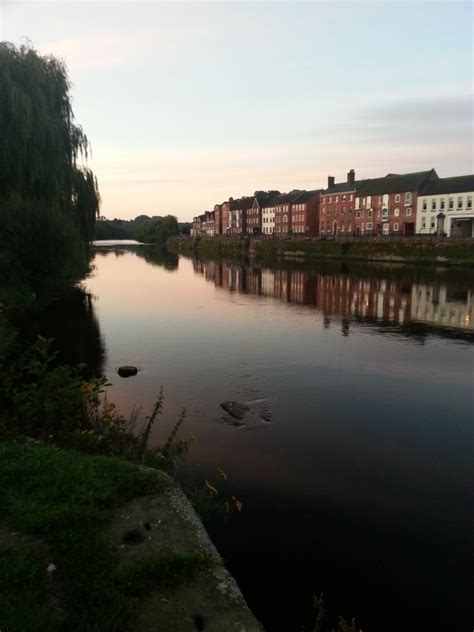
<point>354,469</point>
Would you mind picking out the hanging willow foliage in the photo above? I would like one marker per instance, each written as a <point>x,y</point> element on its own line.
<point>40,149</point>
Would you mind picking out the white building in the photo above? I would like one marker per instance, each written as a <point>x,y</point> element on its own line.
<point>268,220</point>
<point>446,206</point>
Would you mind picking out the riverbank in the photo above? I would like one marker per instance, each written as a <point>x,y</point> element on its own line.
<point>410,251</point>
<point>93,542</point>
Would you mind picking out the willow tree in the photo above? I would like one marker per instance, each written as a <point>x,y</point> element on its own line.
<point>48,199</point>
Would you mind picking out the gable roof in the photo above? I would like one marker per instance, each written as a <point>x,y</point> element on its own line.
<point>343,187</point>
<point>305,196</point>
<point>242,204</point>
<point>396,183</point>
<point>457,184</point>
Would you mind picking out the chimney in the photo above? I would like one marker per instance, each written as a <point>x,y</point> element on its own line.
<point>351,176</point>
<point>330,182</point>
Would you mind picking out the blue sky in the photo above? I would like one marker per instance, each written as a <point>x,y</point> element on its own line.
<point>186,104</point>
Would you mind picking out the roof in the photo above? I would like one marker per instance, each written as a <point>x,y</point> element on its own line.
<point>242,203</point>
<point>395,183</point>
<point>305,196</point>
<point>267,199</point>
<point>457,184</point>
<point>288,198</point>
<point>343,187</point>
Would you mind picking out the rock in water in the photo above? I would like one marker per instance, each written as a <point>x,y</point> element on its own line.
<point>238,411</point>
<point>127,371</point>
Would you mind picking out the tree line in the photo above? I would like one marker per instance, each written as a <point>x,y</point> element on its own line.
<point>150,230</point>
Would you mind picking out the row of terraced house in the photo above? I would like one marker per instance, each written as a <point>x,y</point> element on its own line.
<point>395,204</point>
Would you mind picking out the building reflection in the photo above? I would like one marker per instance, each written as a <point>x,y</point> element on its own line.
<point>344,297</point>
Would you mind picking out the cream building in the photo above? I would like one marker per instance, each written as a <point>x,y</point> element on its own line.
<point>446,206</point>
<point>268,220</point>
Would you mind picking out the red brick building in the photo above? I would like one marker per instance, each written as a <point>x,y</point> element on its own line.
<point>336,206</point>
<point>387,206</point>
<point>305,214</point>
<point>379,206</point>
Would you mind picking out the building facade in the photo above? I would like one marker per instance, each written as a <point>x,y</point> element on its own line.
<point>336,206</point>
<point>446,207</point>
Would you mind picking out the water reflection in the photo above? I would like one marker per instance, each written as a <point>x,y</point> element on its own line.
<point>155,255</point>
<point>72,322</point>
<point>372,296</point>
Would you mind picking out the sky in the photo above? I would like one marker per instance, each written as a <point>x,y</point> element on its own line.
<point>188,104</point>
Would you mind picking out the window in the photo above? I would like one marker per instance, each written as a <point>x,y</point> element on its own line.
<point>407,197</point>
<point>425,205</point>
<point>460,202</point>
<point>433,205</point>
<point>408,211</point>
<point>385,229</point>
<point>423,223</point>
<point>469,201</point>
<point>369,225</point>
<point>385,213</point>
<point>395,228</point>
<point>370,213</point>
<point>451,204</point>
<point>351,197</point>
<point>396,212</point>
<point>442,204</point>
<point>397,197</point>
<point>337,198</point>
<point>343,198</point>
<point>357,214</point>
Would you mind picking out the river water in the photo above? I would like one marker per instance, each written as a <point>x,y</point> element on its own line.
<point>354,463</point>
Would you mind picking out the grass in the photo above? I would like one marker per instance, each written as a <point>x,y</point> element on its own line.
<point>22,591</point>
<point>65,498</point>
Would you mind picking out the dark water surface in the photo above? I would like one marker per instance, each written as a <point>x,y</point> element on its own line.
<point>359,485</point>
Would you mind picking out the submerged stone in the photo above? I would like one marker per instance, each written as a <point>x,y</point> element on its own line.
<point>127,371</point>
<point>236,410</point>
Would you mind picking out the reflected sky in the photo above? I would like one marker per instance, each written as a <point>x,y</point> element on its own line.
<point>366,377</point>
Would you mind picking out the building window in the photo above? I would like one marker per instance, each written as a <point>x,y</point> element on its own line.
<point>395,228</point>
<point>351,197</point>
<point>423,223</point>
<point>385,228</point>
<point>451,204</point>
<point>396,212</point>
<point>357,214</point>
<point>433,205</point>
<point>337,198</point>
<point>397,197</point>
<point>459,202</point>
<point>408,197</point>
<point>425,205</point>
<point>369,213</point>
<point>408,211</point>
<point>469,201</point>
<point>442,204</point>
<point>369,225</point>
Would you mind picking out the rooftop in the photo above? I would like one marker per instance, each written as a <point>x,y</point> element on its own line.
<point>457,184</point>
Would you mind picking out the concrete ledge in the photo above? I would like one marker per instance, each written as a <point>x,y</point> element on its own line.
<point>166,524</point>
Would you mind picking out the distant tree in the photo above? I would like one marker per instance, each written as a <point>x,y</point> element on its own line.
<point>158,229</point>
